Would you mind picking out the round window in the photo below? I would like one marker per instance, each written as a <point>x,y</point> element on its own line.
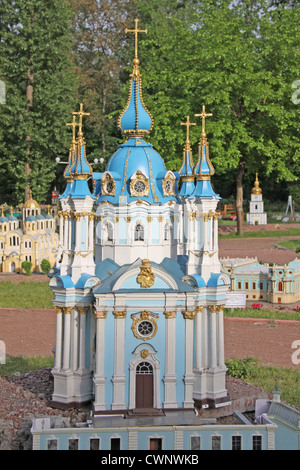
<point>109,187</point>
<point>145,328</point>
<point>139,186</point>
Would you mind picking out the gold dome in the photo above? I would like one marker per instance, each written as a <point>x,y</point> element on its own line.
<point>31,203</point>
<point>256,189</point>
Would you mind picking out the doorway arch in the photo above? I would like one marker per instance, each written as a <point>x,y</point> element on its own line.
<point>144,372</point>
<point>144,385</point>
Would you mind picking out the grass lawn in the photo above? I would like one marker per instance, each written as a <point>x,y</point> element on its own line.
<point>292,232</point>
<point>290,244</point>
<point>20,365</point>
<point>25,295</point>
<point>262,313</point>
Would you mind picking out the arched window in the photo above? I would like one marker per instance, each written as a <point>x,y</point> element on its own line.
<point>139,233</point>
<point>110,232</point>
<point>167,232</point>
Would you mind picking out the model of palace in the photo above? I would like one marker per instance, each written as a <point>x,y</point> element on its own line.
<point>29,236</point>
<point>269,283</point>
<point>256,214</point>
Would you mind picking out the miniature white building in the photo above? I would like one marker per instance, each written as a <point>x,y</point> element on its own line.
<point>256,214</point>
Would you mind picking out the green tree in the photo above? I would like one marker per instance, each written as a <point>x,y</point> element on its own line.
<point>240,60</point>
<point>99,56</point>
<point>27,265</point>
<point>45,266</point>
<point>35,65</point>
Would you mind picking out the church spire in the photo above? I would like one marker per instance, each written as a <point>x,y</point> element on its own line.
<point>135,120</point>
<point>186,170</point>
<point>80,169</point>
<point>203,169</point>
<point>72,150</point>
<point>256,189</point>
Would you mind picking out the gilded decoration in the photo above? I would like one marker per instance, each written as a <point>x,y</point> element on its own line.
<point>120,314</point>
<point>144,325</point>
<point>168,186</point>
<point>170,314</point>
<point>100,314</point>
<point>139,185</point>
<point>144,353</point>
<point>108,186</point>
<point>189,315</point>
<point>146,277</point>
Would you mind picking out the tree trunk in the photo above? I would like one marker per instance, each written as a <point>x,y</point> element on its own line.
<point>29,96</point>
<point>239,198</point>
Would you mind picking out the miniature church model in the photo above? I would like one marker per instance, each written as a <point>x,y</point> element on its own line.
<point>139,294</point>
<point>256,214</point>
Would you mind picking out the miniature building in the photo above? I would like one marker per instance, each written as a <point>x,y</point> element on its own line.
<point>28,237</point>
<point>256,214</point>
<point>275,284</point>
<point>140,321</point>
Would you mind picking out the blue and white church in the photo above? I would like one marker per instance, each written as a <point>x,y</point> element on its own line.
<point>138,288</point>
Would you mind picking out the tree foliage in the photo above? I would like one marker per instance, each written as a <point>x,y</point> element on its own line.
<point>35,66</point>
<point>240,60</point>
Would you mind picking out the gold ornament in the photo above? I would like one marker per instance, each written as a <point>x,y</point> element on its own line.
<point>146,277</point>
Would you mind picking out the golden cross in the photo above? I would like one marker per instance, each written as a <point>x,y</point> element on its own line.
<point>136,31</point>
<point>80,114</point>
<point>73,124</point>
<point>203,115</point>
<point>188,124</point>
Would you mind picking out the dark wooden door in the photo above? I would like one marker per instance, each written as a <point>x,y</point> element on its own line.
<point>144,386</point>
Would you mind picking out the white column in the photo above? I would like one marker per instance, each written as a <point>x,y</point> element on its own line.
<point>67,338</point>
<point>58,345</point>
<point>74,342</point>
<point>119,377</point>
<point>91,232</point>
<point>213,337</point>
<point>221,359</point>
<point>61,231</point>
<point>170,375</point>
<point>189,375</point>
<point>215,218</point>
<point>78,233</point>
<point>199,341</point>
<point>99,378</point>
<point>66,230</point>
<point>82,336</point>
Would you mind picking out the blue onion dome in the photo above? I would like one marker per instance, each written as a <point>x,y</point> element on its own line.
<point>40,217</point>
<point>136,171</point>
<point>79,168</point>
<point>135,120</point>
<point>30,218</point>
<point>12,218</point>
